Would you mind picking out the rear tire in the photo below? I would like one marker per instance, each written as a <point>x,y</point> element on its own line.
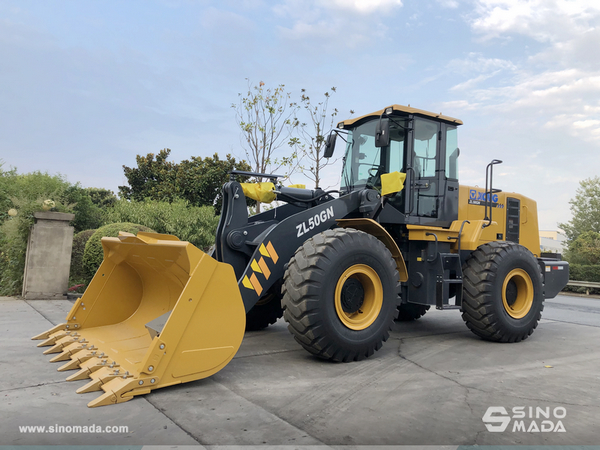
<point>503,294</point>
<point>340,294</point>
<point>411,311</point>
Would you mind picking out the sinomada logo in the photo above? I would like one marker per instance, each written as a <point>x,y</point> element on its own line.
<point>526,419</point>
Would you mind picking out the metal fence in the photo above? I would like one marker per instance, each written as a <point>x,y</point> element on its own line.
<point>584,284</point>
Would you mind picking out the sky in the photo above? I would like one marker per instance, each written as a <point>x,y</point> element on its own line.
<point>85,86</point>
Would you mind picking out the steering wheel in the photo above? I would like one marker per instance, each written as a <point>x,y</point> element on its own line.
<point>374,175</point>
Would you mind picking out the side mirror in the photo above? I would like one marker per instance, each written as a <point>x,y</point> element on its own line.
<point>382,133</point>
<point>330,145</point>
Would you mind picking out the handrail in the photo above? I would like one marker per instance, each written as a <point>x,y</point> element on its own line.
<point>410,193</point>
<point>489,192</point>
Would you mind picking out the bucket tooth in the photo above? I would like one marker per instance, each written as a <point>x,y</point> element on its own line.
<point>61,356</point>
<point>46,334</point>
<point>60,344</point>
<point>92,386</point>
<point>54,349</point>
<point>52,339</point>
<point>96,363</point>
<point>71,365</point>
<point>81,374</point>
<point>76,361</point>
<point>98,379</point>
<point>67,352</point>
<point>113,392</point>
<point>108,398</point>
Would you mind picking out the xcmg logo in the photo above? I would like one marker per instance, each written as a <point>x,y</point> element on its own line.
<point>526,419</point>
<point>482,196</point>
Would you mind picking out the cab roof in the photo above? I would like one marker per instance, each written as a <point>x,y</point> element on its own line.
<point>404,109</point>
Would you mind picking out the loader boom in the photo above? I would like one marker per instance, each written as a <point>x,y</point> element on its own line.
<point>259,250</point>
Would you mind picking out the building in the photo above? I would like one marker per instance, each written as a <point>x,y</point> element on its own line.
<point>552,241</point>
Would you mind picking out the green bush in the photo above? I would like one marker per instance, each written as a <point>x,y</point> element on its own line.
<point>93,253</point>
<point>77,274</point>
<point>194,224</point>
<point>13,246</point>
<point>584,272</point>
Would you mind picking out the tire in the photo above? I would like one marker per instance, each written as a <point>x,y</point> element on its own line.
<point>411,311</point>
<point>503,292</point>
<point>266,311</point>
<point>340,295</point>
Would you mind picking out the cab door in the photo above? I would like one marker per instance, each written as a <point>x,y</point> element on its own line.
<point>424,171</point>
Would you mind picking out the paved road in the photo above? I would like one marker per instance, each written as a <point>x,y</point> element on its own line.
<point>431,384</point>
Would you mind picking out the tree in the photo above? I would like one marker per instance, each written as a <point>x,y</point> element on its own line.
<point>585,208</point>
<point>198,180</point>
<point>152,178</point>
<point>585,249</point>
<point>267,120</point>
<point>313,135</point>
<point>103,198</point>
<point>88,215</point>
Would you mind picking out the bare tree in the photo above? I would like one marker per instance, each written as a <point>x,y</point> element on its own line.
<point>313,133</point>
<point>267,119</point>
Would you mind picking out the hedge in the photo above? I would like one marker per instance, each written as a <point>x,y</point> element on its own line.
<point>94,254</point>
<point>583,272</point>
<point>194,224</point>
<point>77,272</point>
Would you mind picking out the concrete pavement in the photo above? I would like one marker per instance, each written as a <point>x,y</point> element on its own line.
<point>430,384</point>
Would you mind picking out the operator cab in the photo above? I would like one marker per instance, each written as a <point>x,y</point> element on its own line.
<point>420,144</point>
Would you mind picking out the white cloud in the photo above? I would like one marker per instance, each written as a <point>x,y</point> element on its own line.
<point>587,124</point>
<point>476,62</point>
<point>542,20</point>
<point>471,83</point>
<point>567,99</point>
<point>538,109</point>
<point>580,51</point>
<point>558,87</point>
<point>334,23</point>
<point>361,6</point>
<point>450,4</point>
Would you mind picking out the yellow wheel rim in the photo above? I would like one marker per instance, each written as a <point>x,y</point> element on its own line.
<point>360,311</point>
<point>517,293</point>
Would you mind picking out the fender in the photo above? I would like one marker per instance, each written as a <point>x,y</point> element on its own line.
<point>374,228</point>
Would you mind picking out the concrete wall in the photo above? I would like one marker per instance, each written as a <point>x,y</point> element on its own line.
<point>48,256</point>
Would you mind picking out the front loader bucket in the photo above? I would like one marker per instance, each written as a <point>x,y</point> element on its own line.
<point>158,312</point>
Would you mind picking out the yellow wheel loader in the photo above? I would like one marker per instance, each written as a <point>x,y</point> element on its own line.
<point>400,236</point>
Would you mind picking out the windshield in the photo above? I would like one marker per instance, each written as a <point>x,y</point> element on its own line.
<point>364,163</point>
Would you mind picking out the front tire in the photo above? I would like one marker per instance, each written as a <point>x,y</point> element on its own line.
<point>340,294</point>
<point>266,311</point>
<point>503,295</point>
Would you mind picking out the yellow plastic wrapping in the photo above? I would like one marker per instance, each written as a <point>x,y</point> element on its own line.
<point>261,192</point>
<point>392,182</point>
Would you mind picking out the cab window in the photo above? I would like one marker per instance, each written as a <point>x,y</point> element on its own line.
<point>451,152</point>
